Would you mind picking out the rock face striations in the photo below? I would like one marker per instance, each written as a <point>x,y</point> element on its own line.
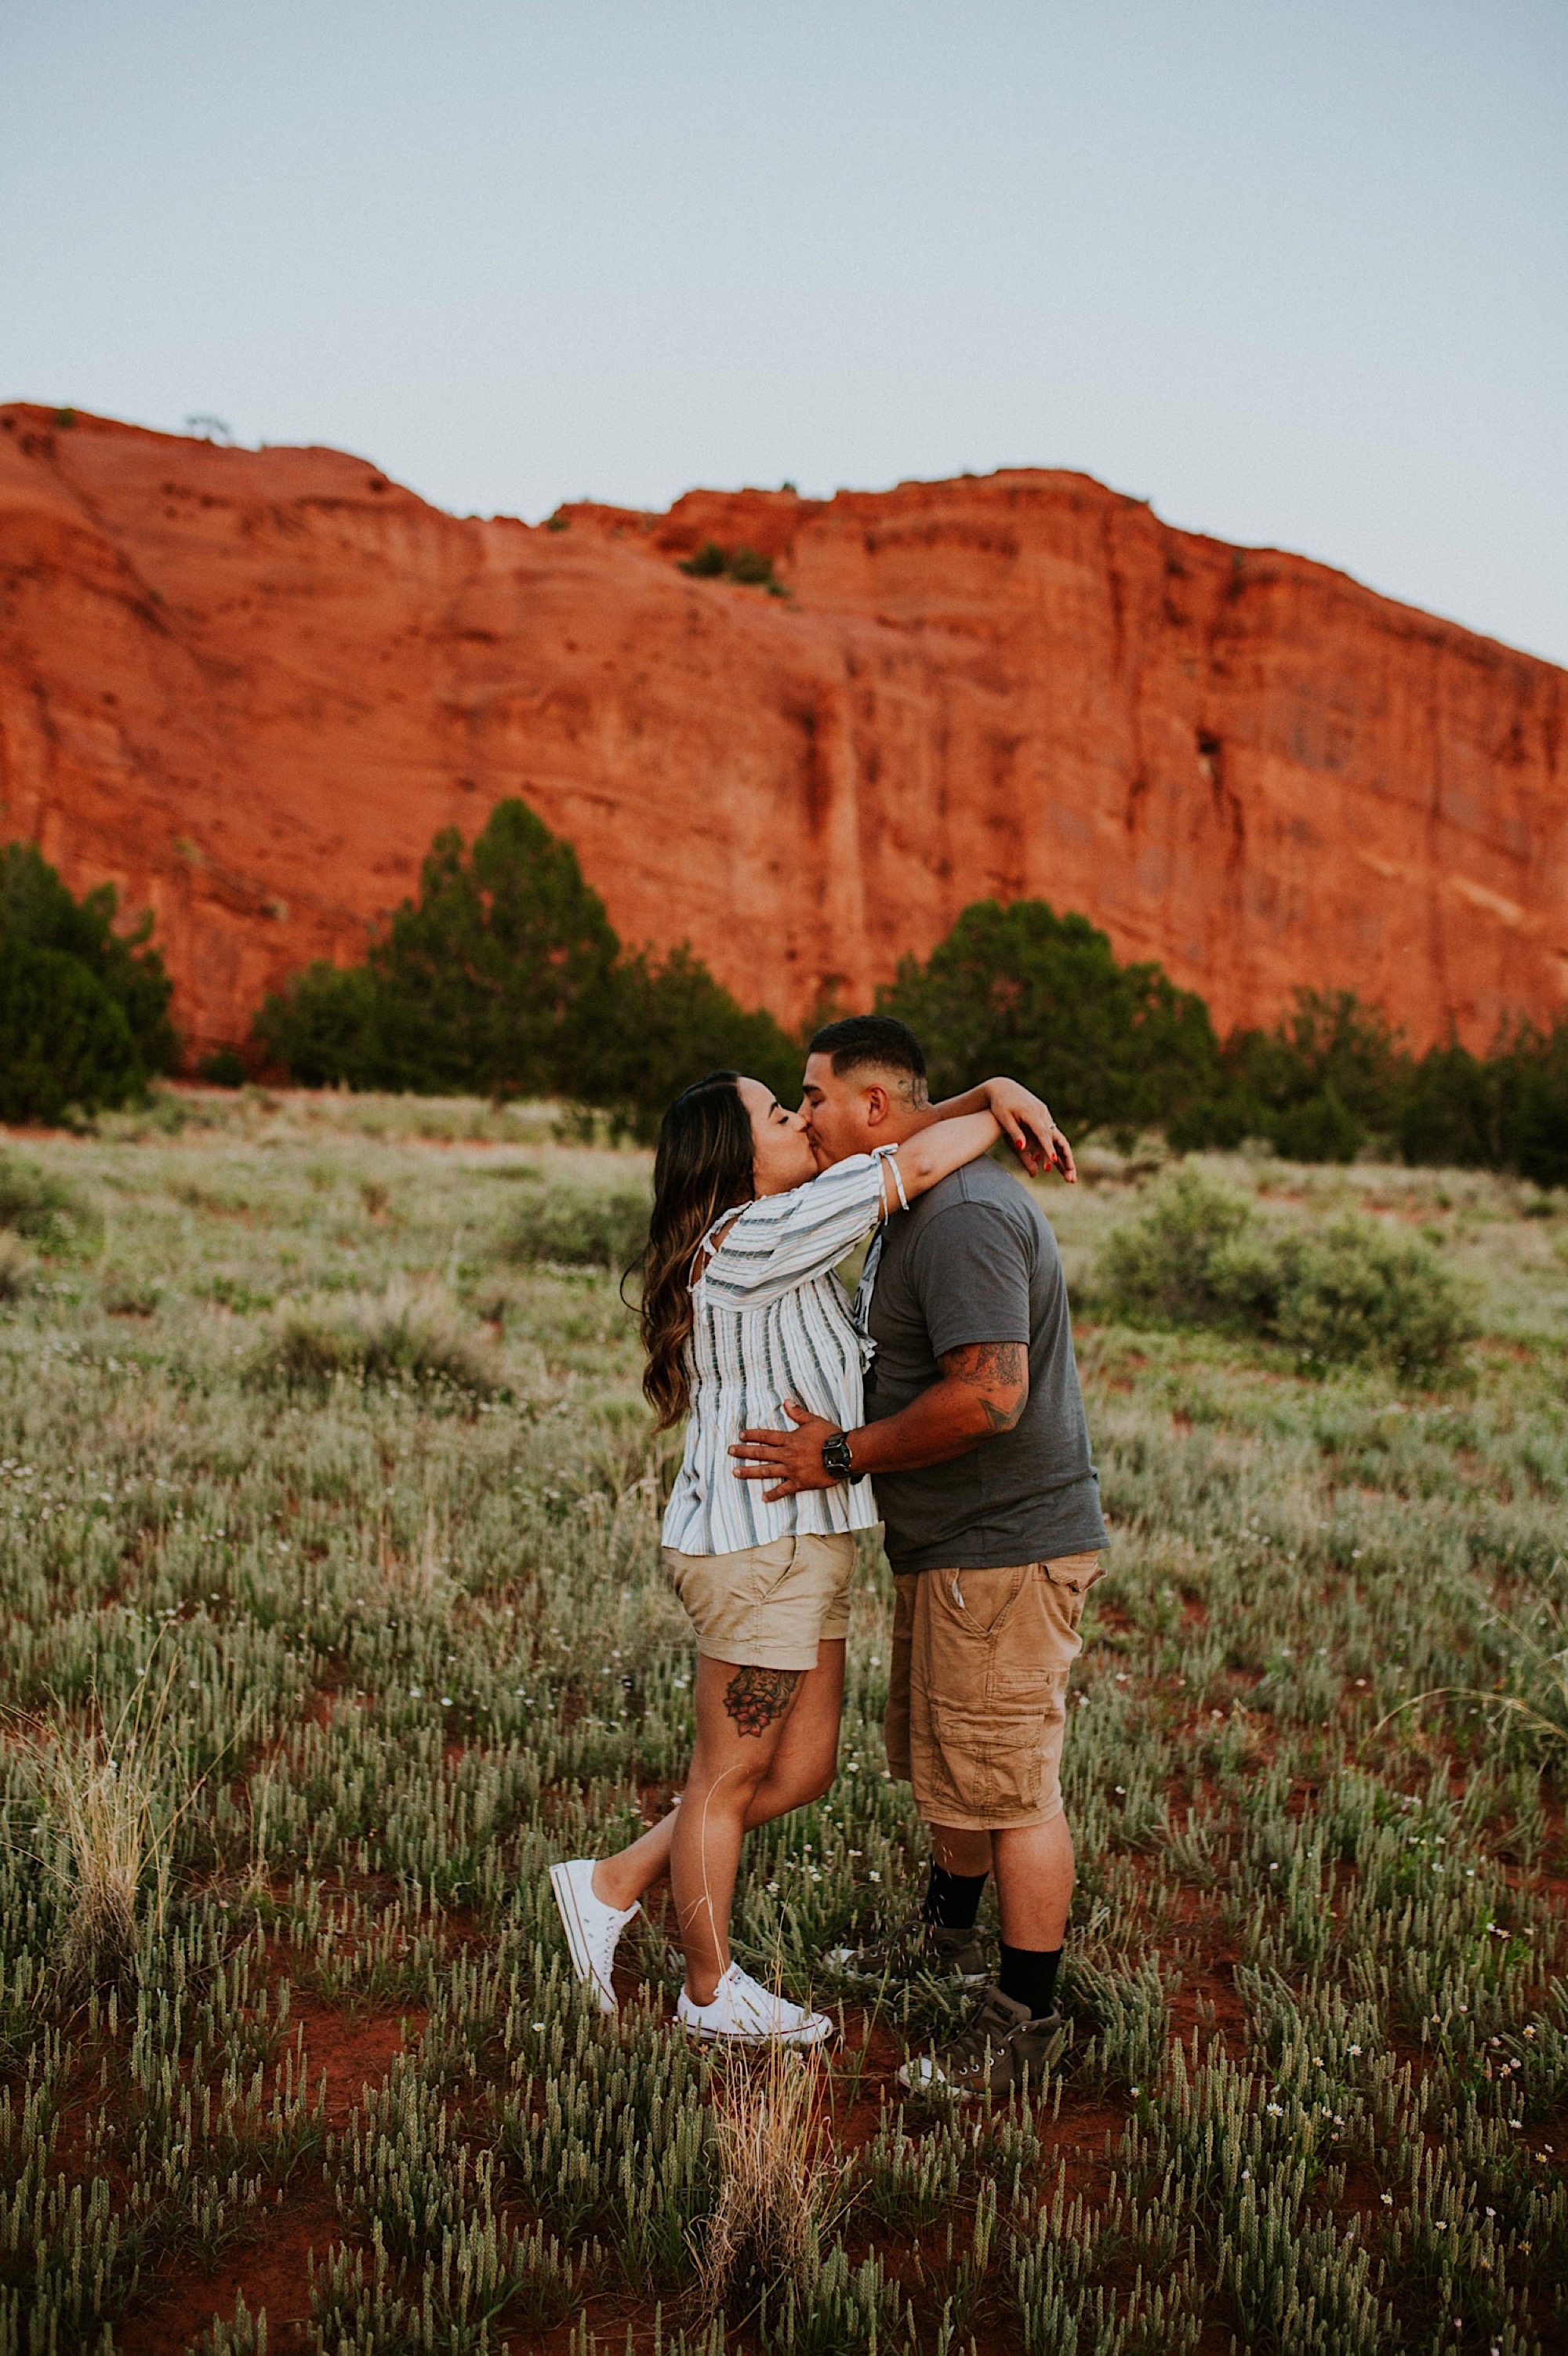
<point>249,685</point>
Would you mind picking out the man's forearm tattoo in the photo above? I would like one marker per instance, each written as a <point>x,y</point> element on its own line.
<point>757,1698</point>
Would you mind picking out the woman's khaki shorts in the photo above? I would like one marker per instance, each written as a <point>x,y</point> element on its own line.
<point>767,1607</point>
<point>977,1705</point>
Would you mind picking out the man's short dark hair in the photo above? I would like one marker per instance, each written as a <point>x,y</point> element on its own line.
<point>879,1039</point>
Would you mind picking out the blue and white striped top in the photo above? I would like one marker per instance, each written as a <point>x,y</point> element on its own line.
<point>771,1321</point>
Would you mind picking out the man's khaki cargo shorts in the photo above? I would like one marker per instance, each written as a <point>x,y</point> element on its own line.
<point>977,1705</point>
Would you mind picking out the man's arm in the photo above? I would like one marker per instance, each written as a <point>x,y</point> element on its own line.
<point>983,1390</point>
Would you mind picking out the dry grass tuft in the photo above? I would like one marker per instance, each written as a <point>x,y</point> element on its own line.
<point>778,2176</point>
<point>108,1817</point>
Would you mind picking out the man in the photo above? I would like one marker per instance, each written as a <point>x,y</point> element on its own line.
<point>976,1440</point>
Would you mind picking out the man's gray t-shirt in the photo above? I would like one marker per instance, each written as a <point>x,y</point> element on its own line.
<point>975,1261</point>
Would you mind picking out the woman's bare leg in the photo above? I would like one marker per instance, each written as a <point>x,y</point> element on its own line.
<point>804,1763</point>
<point>807,1760</point>
<point>741,1715</point>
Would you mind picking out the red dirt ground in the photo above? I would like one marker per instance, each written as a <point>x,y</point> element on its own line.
<point>353,2052</point>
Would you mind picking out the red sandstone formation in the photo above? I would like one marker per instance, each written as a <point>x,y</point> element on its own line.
<point>249,685</point>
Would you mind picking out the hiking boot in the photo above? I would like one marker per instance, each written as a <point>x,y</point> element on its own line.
<point>994,2053</point>
<point>916,1950</point>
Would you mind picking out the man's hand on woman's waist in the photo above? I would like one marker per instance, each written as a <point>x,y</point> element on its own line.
<point>983,1390</point>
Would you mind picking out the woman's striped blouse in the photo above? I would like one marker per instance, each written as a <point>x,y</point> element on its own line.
<point>772,1323</point>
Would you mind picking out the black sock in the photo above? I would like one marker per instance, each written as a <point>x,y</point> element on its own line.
<point>1029,1976</point>
<point>952,1900</point>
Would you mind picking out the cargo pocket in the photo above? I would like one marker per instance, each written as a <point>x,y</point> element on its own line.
<point>1075,1574</point>
<point>977,1601</point>
<point>987,1764</point>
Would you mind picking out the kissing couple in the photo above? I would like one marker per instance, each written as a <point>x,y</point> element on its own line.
<point>950,1388</point>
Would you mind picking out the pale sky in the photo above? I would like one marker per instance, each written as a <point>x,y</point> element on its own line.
<point>1292,269</point>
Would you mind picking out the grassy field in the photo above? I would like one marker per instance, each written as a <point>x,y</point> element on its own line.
<point>328,1521</point>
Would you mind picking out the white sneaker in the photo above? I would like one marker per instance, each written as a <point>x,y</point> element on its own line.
<point>593,1929</point>
<point>744,2013</point>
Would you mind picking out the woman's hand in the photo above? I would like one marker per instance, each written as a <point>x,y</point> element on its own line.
<point>1025,1122</point>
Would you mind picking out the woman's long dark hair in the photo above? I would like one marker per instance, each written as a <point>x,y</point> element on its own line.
<point>703,1167</point>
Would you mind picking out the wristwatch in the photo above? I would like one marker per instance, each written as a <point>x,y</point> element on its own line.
<point>837,1459</point>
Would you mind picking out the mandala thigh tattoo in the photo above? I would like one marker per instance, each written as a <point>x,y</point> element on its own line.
<point>757,1698</point>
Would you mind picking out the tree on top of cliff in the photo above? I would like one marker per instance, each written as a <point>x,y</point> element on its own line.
<point>505,977</point>
<point>1023,991</point>
<point>84,1010</point>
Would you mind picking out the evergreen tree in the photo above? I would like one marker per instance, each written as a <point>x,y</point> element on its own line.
<point>489,979</point>
<point>1326,1080</point>
<point>505,977</point>
<point>672,1023</point>
<point>84,1010</point>
<point>36,907</point>
<point>1023,991</point>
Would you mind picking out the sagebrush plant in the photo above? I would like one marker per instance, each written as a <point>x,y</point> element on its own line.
<point>45,1209</point>
<point>579,1224</point>
<point>413,1641</point>
<point>1337,1293</point>
<point>408,1334</point>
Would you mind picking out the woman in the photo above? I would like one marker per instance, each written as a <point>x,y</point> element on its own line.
<point>741,1312</point>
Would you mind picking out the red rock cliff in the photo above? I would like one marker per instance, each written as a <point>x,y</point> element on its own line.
<point>249,686</point>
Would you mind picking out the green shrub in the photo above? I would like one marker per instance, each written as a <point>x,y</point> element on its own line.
<point>44,1210</point>
<point>747,566</point>
<point>751,568</point>
<point>1537,1064</point>
<point>1199,1256</point>
<point>1161,1266</point>
<point>705,563</point>
<point>402,1336</point>
<point>323,1027</point>
<point>671,1023</point>
<point>63,1041</point>
<point>1353,1291</point>
<point>224,1068</point>
<point>579,1227</point>
<point>1508,1110</point>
